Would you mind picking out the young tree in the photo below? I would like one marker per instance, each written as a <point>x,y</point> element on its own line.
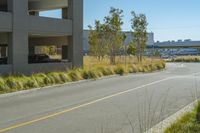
<point>113,32</point>
<point>97,41</point>
<point>131,49</point>
<point>139,25</point>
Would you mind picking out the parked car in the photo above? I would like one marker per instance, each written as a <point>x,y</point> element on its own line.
<point>3,60</point>
<point>41,58</point>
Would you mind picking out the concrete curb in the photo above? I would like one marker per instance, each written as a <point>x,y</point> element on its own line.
<point>160,127</point>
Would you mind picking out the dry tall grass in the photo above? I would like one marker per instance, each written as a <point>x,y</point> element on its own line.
<point>93,69</point>
<point>90,61</point>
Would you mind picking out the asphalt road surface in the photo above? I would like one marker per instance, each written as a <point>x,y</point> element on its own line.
<point>121,104</point>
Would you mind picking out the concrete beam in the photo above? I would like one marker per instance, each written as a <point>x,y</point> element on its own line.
<point>48,41</point>
<point>49,26</point>
<point>47,5</point>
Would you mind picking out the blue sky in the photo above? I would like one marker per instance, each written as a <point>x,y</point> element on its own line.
<point>168,19</point>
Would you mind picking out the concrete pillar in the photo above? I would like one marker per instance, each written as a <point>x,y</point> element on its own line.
<point>75,47</point>
<point>18,39</point>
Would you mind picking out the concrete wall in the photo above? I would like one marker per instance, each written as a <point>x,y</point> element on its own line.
<point>48,41</point>
<point>5,69</point>
<point>48,67</point>
<point>49,26</point>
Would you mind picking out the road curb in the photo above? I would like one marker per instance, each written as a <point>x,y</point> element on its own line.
<point>160,127</point>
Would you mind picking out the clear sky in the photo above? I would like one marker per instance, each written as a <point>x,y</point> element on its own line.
<point>168,19</point>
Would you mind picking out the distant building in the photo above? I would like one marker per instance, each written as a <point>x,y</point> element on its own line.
<point>128,34</point>
<point>179,47</point>
<point>187,42</point>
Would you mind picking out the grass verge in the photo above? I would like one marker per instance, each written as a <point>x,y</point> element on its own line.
<point>188,123</point>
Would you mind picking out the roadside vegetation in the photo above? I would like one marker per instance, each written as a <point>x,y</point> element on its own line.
<point>107,39</point>
<point>92,70</point>
<point>186,59</point>
<point>108,56</point>
<point>189,123</point>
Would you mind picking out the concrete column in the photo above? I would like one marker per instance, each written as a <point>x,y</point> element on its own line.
<point>75,47</point>
<point>19,38</point>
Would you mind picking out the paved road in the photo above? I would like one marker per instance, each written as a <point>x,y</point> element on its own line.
<point>125,104</point>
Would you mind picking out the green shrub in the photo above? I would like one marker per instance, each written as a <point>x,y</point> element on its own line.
<point>75,75</point>
<point>54,78</point>
<point>188,123</point>
<point>106,71</point>
<point>41,79</point>
<point>64,77</point>
<point>89,74</point>
<point>198,113</point>
<point>120,70</point>
<point>14,84</point>
<point>32,83</point>
<point>3,86</point>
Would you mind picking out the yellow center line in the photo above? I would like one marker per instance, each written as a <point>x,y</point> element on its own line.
<point>76,107</point>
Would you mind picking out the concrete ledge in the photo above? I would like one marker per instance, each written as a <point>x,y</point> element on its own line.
<point>160,127</point>
<point>5,69</point>
<point>49,67</point>
<point>50,26</point>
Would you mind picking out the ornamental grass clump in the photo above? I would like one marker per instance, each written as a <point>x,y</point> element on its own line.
<point>13,83</point>
<point>3,86</point>
<point>93,70</point>
<point>106,71</point>
<point>90,74</point>
<point>120,70</point>
<point>41,79</point>
<point>75,75</point>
